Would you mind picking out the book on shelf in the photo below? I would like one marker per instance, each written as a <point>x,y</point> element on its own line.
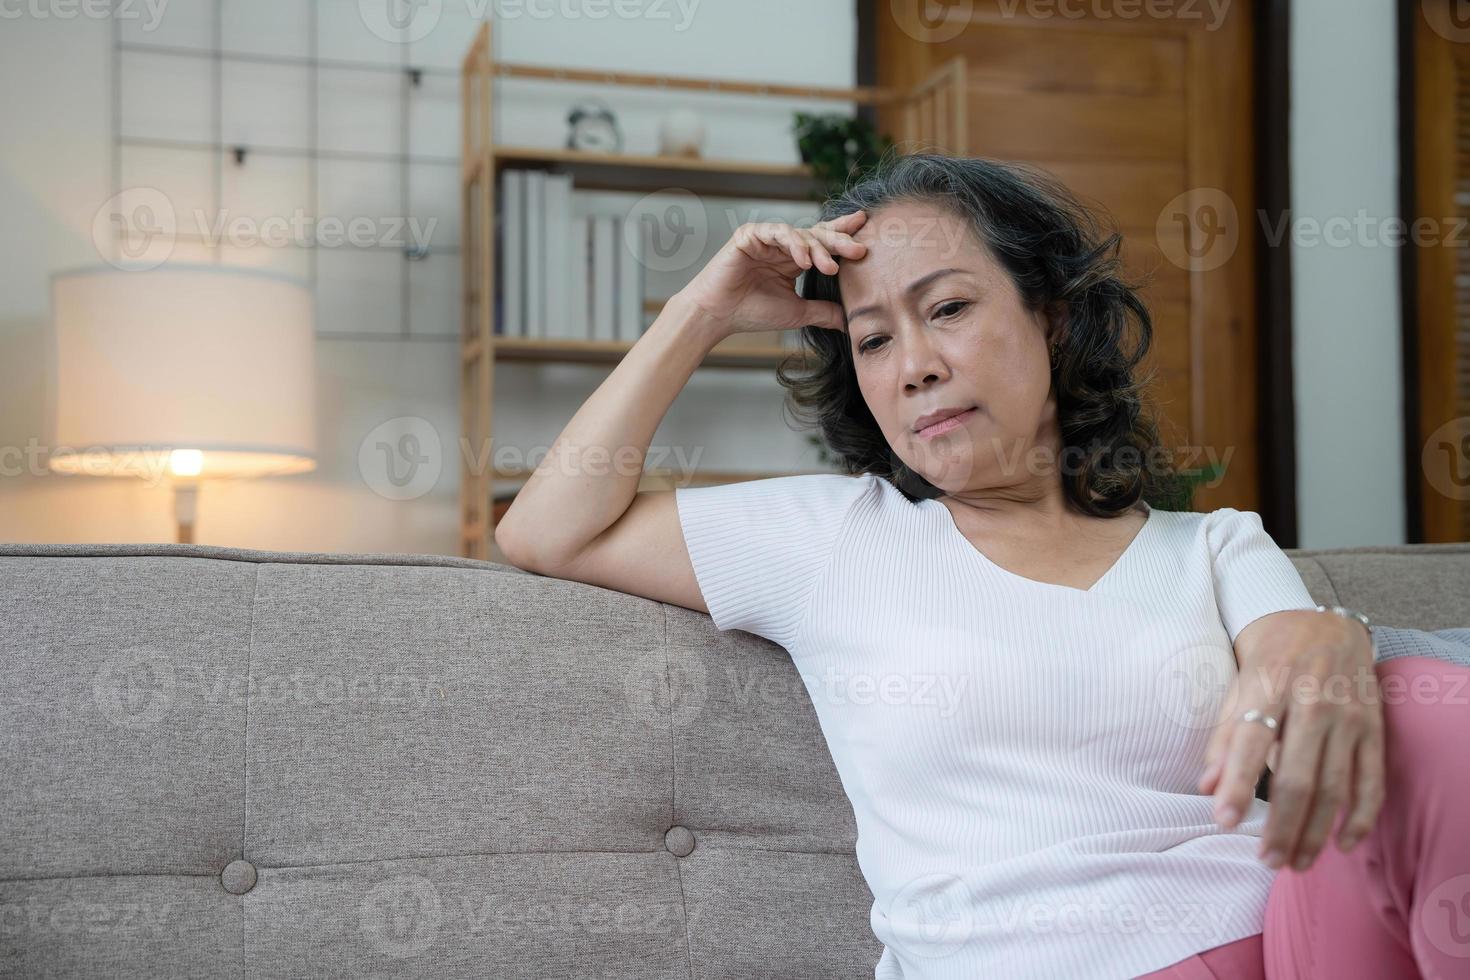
<point>604,276</point>
<point>512,266</point>
<point>579,261</point>
<point>556,269</point>
<point>630,278</point>
<point>565,274</point>
<point>534,252</point>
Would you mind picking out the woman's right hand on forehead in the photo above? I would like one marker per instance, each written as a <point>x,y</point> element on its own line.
<point>750,283</point>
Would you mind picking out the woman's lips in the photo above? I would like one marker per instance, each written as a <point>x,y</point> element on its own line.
<point>945,425</point>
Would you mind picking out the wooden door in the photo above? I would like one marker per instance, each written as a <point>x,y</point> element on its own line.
<point>1439,336</point>
<point>1148,118</point>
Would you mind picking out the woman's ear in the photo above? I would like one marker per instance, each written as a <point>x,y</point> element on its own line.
<point>1056,317</point>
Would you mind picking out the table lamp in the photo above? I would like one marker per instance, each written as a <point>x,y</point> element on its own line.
<point>181,373</point>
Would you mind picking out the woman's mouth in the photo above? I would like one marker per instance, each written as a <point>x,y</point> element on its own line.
<point>945,425</point>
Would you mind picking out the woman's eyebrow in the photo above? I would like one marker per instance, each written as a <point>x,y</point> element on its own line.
<point>910,289</point>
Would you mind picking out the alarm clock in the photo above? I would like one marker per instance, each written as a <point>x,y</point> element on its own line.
<point>594,128</point>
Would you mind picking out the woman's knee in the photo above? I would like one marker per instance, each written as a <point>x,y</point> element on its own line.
<point>1426,716</point>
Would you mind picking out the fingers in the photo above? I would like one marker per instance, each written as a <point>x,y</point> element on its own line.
<point>825,314</point>
<point>1245,757</point>
<point>824,244</point>
<point>1327,799</point>
<point>849,222</point>
<point>1219,748</point>
<point>1352,776</point>
<point>1211,777</point>
<point>807,247</point>
<point>1366,797</point>
<point>821,258</point>
<point>1295,785</point>
<point>790,241</point>
<point>839,242</point>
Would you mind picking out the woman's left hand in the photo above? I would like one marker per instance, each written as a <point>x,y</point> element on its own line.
<point>1313,672</point>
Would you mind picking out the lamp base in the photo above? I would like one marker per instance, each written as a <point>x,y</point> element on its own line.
<point>186,507</point>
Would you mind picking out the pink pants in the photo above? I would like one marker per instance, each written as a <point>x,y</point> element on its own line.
<point>1398,904</point>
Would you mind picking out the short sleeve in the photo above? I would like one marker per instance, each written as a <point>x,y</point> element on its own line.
<point>759,547</point>
<point>1253,577</point>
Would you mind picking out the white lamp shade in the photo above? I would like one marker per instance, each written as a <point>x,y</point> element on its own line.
<point>206,371</point>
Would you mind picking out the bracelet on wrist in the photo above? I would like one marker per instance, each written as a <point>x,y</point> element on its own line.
<point>1353,614</point>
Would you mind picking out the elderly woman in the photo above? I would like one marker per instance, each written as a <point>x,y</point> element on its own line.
<point>1048,694</point>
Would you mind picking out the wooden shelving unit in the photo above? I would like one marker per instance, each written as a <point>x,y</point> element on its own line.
<point>933,112</point>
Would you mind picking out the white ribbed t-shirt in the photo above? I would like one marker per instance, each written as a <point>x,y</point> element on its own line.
<point>1021,757</point>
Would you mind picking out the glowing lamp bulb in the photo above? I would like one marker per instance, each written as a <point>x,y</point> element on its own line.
<point>186,462</point>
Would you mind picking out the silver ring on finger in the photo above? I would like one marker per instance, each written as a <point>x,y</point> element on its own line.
<point>1256,714</point>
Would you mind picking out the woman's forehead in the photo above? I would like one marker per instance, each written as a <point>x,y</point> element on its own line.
<point>896,260</point>
<point>901,222</point>
<point>917,235</point>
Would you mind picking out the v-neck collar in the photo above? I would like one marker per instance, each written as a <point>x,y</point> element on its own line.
<point>953,529</point>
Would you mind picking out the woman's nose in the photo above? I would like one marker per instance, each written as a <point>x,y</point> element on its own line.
<point>923,362</point>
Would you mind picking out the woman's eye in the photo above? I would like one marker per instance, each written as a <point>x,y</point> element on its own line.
<point>955,306</point>
<point>868,344</point>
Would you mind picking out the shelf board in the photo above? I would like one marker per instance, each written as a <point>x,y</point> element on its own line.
<point>647,173</point>
<point>866,95</point>
<point>612,351</point>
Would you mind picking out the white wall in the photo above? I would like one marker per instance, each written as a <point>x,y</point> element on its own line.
<point>1345,298</point>
<point>55,173</point>
<point>55,163</point>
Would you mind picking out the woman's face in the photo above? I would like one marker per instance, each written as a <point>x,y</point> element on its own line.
<point>936,325</point>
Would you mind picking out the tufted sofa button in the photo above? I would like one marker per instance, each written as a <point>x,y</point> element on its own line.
<point>238,877</point>
<point>679,841</point>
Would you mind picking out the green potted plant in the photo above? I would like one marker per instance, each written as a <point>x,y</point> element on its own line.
<point>835,147</point>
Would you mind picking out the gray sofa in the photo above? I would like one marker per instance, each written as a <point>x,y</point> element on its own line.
<point>221,762</point>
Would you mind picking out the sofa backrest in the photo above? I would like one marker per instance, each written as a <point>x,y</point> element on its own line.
<point>380,764</point>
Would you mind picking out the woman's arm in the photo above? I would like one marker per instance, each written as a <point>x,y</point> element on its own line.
<point>590,475</point>
<point>1314,673</point>
<point>580,515</point>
